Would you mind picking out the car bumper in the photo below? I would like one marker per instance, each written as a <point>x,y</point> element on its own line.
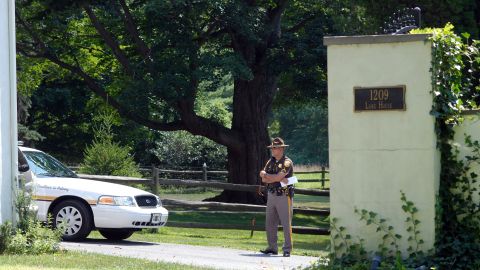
<point>123,217</point>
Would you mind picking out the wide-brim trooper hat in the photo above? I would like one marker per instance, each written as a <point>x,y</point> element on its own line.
<point>277,143</point>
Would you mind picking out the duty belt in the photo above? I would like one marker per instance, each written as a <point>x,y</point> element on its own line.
<point>288,190</point>
<point>277,189</point>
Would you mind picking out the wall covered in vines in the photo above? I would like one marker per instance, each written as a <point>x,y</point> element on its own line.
<point>455,82</point>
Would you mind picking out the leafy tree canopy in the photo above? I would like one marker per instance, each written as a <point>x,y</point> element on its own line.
<point>156,61</point>
<point>160,63</point>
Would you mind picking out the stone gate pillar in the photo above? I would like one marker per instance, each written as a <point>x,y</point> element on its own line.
<point>381,135</point>
<point>8,109</point>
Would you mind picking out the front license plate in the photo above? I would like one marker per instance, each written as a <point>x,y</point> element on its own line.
<point>156,218</point>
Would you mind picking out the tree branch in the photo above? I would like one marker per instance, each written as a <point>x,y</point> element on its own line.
<point>22,48</point>
<point>275,16</point>
<point>275,13</point>
<point>129,22</point>
<point>300,24</point>
<point>198,125</point>
<point>30,31</point>
<point>109,40</point>
<point>213,34</point>
<point>206,34</point>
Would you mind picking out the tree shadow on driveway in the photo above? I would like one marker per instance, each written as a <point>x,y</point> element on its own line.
<point>118,243</point>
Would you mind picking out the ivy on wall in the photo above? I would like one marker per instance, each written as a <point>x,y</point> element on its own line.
<point>455,80</point>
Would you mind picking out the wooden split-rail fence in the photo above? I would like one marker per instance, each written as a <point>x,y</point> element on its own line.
<point>221,176</point>
<point>179,205</point>
<point>156,181</point>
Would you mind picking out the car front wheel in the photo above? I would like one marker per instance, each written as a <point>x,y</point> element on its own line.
<point>116,234</point>
<point>74,219</point>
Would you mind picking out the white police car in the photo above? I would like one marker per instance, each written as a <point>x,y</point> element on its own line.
<point>81,205</point>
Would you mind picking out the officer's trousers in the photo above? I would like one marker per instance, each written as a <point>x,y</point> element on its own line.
<point>279,211</point>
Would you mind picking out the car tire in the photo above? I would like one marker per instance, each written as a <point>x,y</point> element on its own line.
<point>116,234</point>
<point>78,219</point>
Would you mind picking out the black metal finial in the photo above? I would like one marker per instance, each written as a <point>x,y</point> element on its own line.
<point>402,21</point>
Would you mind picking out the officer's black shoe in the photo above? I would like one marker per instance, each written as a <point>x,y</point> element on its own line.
<point>286,254</point>
<point>269,251</point>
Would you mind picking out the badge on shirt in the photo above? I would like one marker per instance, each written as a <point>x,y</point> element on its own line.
<point>280,166</point>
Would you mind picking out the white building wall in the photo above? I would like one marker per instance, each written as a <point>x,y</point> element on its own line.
<point>8,111</point>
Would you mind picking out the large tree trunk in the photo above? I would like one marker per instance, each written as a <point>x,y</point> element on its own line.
<point>252,103</point>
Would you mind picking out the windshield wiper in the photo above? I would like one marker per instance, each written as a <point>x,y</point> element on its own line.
<point>58,174</point>
<point>46,174</point>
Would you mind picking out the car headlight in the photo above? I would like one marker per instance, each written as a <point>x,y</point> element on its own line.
<point>116,200</point>
<point>159,202</point>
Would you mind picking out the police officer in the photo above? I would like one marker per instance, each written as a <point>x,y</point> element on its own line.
<point>279,204</point>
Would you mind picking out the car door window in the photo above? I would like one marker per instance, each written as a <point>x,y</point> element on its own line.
<point>43,164</point>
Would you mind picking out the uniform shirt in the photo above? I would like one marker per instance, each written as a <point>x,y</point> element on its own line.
<point>274,166</point>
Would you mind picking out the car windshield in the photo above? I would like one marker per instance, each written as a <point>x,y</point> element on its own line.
<point>45,165</point>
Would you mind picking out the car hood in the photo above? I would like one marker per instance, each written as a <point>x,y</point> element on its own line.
<point>90,186</point>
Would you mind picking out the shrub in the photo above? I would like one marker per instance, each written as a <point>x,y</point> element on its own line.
<point>183,149</point>
<point>29,236</point>
<point>23,207</point>
<point>6,233</point>
<point>109,158</point>
<point>106,157</point>
<point>36,239</point>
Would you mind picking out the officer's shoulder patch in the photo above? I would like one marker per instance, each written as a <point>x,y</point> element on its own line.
<point>287,163</point>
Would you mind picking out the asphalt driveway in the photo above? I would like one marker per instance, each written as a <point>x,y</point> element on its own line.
<point>213,257</point>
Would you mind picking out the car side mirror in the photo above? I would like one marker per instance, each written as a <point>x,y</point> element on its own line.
<point>22,162</point>
<point>23,168</point>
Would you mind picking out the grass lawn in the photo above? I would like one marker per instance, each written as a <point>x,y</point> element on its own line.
<point>189,196</point>
<point>309,201</point>
<point>80,261</point>
<point>303,244</point>
<point>311,185</point>
<point>243,218</point>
